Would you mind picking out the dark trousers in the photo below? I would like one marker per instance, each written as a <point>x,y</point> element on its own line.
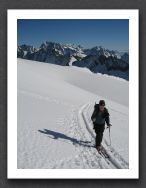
<point>99,129</point>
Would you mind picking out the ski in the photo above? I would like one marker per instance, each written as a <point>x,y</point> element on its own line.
<point>103,156</point>
<point>103,153</point>
<point>103,150</point>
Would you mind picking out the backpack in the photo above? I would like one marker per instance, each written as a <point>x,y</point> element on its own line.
<point>95,112</point>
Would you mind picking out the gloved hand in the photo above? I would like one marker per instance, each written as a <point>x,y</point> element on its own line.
<point>109,125</point>
<point>94,119</point>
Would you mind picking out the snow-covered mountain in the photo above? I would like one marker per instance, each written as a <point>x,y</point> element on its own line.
<point>26,51</point>
<point>96,59</point>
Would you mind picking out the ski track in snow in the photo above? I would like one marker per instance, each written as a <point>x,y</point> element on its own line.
<point>81,129</point>
<point>87,155</point>
<point>114,157</point>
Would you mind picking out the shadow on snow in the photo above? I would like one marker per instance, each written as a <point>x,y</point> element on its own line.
<point>57,135</point>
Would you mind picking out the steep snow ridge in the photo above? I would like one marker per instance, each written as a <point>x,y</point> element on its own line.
<point>51,132</point>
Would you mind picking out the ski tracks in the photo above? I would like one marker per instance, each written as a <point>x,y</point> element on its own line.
<point>115,159</point>
<point>86,156</point>
<point>85,150</point>
<point>79,126</point>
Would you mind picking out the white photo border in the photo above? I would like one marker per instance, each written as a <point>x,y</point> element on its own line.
<point>133,16</point>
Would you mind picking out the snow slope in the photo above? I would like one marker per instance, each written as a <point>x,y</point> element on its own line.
<point>55,104</point>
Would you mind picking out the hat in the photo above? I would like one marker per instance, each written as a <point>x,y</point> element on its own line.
<point>102,103</point>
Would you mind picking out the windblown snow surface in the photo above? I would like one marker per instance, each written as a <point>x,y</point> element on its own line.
<point>55,104</point>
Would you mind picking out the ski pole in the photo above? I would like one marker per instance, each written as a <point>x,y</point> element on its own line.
<point>109,136</point>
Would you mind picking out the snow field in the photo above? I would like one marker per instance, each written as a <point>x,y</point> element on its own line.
<point>54,109</point>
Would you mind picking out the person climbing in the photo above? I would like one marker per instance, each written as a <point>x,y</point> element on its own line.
<point>99,117</point>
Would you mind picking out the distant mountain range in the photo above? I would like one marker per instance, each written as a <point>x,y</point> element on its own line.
<point>97,59</point>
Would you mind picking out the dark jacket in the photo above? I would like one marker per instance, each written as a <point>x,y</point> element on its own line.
<point>105,115</point>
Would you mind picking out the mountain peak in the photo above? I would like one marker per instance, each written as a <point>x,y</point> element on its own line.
<point>97,59</point>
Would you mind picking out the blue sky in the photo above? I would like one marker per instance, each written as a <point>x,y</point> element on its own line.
<point>111,34</point>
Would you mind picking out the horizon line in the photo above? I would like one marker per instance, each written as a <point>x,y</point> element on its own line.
<point>74,44</point>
